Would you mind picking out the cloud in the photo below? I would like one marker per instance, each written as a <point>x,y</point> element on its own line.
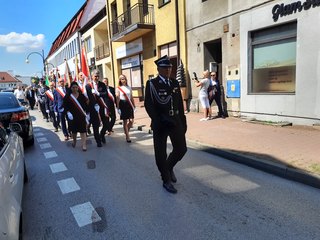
<point>21,42</point>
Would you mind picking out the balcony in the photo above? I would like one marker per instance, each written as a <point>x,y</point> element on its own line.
<point>102,51</point>
<point>134,23</point>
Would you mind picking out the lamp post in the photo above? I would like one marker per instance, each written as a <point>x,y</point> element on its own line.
<point>53,67</point>
<point>41,54</point>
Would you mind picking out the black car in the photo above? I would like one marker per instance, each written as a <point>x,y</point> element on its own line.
<point>11,111</point>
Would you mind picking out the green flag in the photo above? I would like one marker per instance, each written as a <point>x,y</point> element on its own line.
<point>47,81</point>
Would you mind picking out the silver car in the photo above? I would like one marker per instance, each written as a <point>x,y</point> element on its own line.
<point>12,178</point>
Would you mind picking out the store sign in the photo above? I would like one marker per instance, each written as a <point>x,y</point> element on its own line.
<point>130,62</point>
<point>129,49</point>
<point>280,10</point>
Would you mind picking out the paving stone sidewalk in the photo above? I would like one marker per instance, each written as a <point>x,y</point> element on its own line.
<point>292,152</point>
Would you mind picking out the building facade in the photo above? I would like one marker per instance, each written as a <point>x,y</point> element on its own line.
<point>265,55</point>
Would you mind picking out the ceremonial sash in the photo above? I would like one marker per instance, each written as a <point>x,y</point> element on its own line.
<point>60,91</point>
<point>49,94</point>
<point>125,95</point>
<point>82,87</point>
<point>100,100</point>
<point>110,95</point>
<point>77,104</point>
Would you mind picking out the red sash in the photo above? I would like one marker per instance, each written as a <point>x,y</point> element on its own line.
<point>60,91</point>
<point>110,95</point>
<point>49,94</point>
<point>100,100</point>
<point>125,95</point>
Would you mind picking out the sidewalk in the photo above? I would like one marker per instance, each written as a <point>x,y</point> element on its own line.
<point>292,152</point>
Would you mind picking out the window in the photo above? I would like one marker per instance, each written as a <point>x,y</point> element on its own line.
<point>163,2</point>
<point>87,44</point>
<point>273,60</point>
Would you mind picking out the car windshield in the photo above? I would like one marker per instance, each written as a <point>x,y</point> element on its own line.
<point>8,101</point>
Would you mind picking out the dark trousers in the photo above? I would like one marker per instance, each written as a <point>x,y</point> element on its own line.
<point>104,120</point>
<point>179,148</point>
<point>54,119</point>
<point>95,121</point>
<point>43,110</point>
<point>63,121</point>
<point>111,119</point>
<point>217,99</point>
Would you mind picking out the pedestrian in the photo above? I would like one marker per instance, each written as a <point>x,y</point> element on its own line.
<point>164,105</point>
<point>49,103</point>
<point>42,99</point>
<point>94,108</point>
<point>99,90</point>
<point>31,96</point>
<point>110,101</point>
<point>125,105</point>
<point>217,95</point>
<point>76,106</point>
<point>59,95</point>
<point>203,94</point>
<point>20,94</point>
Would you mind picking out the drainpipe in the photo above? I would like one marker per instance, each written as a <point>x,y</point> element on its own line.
<point>177,31</point>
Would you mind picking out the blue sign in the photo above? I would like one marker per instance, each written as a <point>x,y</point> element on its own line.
<point>233,88</point>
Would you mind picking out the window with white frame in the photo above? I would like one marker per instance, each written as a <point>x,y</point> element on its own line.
<point>272,63</point>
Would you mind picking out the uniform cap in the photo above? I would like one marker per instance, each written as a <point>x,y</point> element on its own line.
<point>163,62</point>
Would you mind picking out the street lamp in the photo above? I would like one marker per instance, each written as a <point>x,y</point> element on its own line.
<point>41,54</point>
<point>53,67</point>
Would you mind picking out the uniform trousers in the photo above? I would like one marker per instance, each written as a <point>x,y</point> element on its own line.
<point>179,147</point>
<point>95,121</point>
<point>104,120</point>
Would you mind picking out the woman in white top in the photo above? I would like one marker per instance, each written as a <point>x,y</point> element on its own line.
<point>125,105</point>
<point>203,94</point>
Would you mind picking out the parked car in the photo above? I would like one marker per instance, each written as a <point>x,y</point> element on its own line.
<point>12,111</point>
<point>12,178</point>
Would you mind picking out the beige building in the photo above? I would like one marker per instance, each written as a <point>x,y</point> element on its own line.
<point>265,53</point>
<point>141,32</point>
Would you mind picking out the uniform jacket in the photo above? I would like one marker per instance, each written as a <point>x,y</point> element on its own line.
<point>159,106</point>
<point>58,101</point>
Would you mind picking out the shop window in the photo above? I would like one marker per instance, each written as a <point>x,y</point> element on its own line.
<point>163,2</point>
<point>273,60</point>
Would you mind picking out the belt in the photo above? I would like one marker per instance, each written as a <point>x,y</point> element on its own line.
<point>173,112</point>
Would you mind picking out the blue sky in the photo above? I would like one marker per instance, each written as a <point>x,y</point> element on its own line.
<point>29,26</point>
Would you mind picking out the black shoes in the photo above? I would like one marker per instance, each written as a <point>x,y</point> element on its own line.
<point>173,176</point>
<point>99,144</point>
<point>169,187</point>
<point>56,130</point>
<point>89,131</point>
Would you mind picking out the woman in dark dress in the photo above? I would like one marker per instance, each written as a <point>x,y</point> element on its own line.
<point>125,105</point>
<point>75,105</point>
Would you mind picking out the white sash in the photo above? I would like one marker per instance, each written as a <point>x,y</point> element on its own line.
<point>60,91</point>
<point>75,101</point>
<point>99,99</point>
<point>49,94</point>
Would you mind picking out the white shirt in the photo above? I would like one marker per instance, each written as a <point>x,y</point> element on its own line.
<point>127,90</point>
<point>19,94</point>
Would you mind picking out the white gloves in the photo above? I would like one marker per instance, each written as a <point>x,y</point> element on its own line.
<point>88,117</point>
<point>55,113</point>
<point>96,107</point>
<point>134,109</point>
<point>47,111</point>
<point>119,111</point>
<point>95,92</point>
<point>70,116</point>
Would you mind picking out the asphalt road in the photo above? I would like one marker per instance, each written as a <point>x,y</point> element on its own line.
<point>115,192</point>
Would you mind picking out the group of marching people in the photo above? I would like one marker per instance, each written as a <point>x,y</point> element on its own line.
<point>89,102</point>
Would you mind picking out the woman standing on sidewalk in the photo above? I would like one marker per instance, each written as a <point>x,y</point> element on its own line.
<point>125,105</point>
<point>203,94</point>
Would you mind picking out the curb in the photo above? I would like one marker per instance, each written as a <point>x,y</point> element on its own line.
<point>276,169</point>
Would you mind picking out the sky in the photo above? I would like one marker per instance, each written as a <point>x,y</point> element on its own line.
<point>28,26</point>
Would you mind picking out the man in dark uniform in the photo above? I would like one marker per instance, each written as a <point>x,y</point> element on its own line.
<point>110,101</point>
<point>217,96</point>
<point>50,105</point>
<point>164,105</point>
<point>31,96</point>
<point>42,99</point>
<point>96,108</point>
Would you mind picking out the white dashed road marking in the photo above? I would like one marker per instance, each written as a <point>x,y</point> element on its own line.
<point>38,134</point>
<point>50,154</point>
<point>58,167</point>
<point>42,139</point>
<point>68,185</point>
<point>85,214</point>
<point>45,145</point>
